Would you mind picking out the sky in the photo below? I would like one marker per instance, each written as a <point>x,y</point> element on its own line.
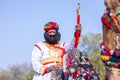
<point>22,21</point>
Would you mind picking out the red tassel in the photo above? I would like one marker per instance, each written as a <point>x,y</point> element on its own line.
<point>77,36</point>
<point>106,23</point>
<point>78,19</point>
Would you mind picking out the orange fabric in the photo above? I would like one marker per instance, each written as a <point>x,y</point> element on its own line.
<point>43,70</point>
<point>52,60</point>
<point>58,60</point>
<point>113,16</point>
<point>51,25</point>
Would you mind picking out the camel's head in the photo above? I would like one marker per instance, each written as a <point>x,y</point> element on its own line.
<point>114,7</point>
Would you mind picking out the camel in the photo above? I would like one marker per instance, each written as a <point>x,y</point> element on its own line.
<point>111,39</point>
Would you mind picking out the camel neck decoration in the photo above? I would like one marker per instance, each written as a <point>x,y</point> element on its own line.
<point>110,48</point>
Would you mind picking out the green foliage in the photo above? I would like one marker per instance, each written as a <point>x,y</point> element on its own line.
<point>90,45</point>
<point>5,75</point>
<point>30,75</point>
<point>17,72</point>
<point>95,58</point>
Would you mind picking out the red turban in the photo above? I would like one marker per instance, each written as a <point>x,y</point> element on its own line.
<point>51,25</point>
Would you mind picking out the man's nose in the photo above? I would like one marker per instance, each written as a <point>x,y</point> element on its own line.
<point>52,34</point>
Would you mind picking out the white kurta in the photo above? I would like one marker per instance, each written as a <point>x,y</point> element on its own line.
<point>42,53</point>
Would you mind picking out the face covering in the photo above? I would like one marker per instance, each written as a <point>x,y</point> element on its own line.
<point>52,39</point>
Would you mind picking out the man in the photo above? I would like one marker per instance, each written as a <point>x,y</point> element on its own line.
<point>47,56</point>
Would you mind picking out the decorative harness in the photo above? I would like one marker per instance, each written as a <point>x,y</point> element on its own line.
<point>109,26</point>
<point>113,17</point>
<point>111,57</point>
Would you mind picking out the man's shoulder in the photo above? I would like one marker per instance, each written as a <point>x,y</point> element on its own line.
<point>39,43</point>
<point>62,44</point>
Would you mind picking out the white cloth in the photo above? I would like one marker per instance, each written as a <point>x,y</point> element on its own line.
<point>38,55</point>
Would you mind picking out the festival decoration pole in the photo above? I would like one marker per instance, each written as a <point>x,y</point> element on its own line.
<point>78,14</point>
<point>77,35</point>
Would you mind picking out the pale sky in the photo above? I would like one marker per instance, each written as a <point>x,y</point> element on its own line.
<point>22,21</point>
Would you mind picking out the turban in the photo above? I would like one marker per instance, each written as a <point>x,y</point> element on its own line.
<point>51,25</point>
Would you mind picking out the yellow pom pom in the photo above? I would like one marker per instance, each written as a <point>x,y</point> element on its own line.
<point>104,58</point>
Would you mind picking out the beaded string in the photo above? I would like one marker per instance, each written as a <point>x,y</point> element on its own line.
<point>114,17</point>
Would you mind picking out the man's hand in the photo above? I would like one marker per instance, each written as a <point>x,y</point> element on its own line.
<point>78,27</point>
<point>52,68</point>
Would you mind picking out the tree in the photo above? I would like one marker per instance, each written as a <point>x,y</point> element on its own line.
<point>90,46</point>
<point>5,75</point>
<point>30,75</point>
<point>17,72</point>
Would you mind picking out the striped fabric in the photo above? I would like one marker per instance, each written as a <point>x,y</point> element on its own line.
<point>51,25</point>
